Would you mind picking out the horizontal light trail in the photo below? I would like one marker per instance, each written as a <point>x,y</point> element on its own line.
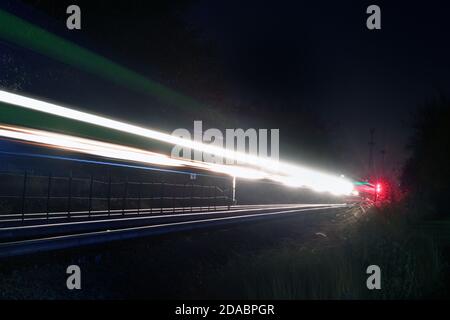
<point>114,164</point>
<point>118,152</point>
<point>290,175</point>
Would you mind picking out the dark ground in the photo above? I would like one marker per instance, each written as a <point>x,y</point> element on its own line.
<point>307,256</point>
<point>184,266</point>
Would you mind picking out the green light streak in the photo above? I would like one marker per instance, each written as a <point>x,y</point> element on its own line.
<point>361,183</point>
<point>25,34</point>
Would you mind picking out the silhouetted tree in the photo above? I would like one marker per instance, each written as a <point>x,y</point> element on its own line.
<point>426,174</point>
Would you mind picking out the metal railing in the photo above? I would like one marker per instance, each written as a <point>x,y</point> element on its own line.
<point>26,196</point>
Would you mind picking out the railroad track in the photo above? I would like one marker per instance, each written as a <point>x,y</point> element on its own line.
<point>27,239</point>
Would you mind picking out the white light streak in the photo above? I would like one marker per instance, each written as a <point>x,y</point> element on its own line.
<point>119,152</point>
<point>291,175</point>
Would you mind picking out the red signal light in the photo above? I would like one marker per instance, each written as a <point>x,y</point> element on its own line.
<point>378,188</point>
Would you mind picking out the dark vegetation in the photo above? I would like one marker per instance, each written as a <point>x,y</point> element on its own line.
<point>334,266</point>
<point>426,174</point>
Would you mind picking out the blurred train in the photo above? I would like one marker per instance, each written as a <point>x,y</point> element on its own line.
<point>366,191</point>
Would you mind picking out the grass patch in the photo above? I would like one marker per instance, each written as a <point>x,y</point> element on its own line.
<point>334,267</point>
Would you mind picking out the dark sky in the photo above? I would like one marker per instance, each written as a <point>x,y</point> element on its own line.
<point>324,56</point>
<point>308,68</point>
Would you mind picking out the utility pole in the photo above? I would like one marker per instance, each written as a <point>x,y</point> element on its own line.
<point>371,145</point>
<point>383,156</point>
<point>234,190</point>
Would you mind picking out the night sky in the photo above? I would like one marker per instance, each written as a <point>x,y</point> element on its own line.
<point>312,69</point>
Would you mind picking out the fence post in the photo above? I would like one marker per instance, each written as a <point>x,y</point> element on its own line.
<point>69,200</point>
<point>24,190</point>
<point>202,195</point>
<point>231,193</point>
<point>192,191</point>
<point>109,194</point>
<point>234,190</point>
<point>152,197</point>
<point>90,194</point>
<point>49,187</point>
<point>184,197</point>
<point>173,197</point>
<point>215,198</point>
<point>162,196</point>
<point>139,197</point>
<point>125,195</point>
<point>209,197</point>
